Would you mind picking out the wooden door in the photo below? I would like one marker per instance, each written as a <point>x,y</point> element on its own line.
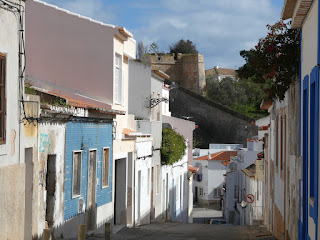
<point>91,196</point>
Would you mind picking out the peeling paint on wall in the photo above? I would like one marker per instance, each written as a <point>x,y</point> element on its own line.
<point>31,110</point>
<point>44,143</point>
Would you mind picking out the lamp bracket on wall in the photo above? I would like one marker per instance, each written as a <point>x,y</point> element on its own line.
<point>155,101</point>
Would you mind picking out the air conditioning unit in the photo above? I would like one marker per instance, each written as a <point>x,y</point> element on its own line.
<point>81,207</point>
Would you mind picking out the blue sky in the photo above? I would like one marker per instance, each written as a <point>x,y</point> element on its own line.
<point>219,28</point>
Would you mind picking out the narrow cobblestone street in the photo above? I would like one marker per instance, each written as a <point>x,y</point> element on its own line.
<point>176,231</point>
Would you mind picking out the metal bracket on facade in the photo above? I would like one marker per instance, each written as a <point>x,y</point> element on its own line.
<point>155,101</point>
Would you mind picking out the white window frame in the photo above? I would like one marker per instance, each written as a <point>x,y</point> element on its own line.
<point>148,182</point>
<point>102,172</point>
<point>73,152</point>
<point>158,179</point>
<point>201,192</point>
<point>117,91</point>
<point>217,190</point>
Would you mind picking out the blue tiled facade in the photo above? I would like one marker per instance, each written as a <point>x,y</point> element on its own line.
<point>85,136</point>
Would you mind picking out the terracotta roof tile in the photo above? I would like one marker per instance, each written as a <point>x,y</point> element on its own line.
<point>219,156</point>
<point>79,101</point>
<point>226,162</point>
<point>265,104</point>
<point>192,169</point>
<point>250,171</point>
<point>264,128</point>
<point>127,131</point>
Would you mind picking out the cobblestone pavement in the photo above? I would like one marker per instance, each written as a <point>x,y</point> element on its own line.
<point>177,231</point>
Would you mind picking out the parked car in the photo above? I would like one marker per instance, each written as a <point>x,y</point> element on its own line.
<point>218,221</point>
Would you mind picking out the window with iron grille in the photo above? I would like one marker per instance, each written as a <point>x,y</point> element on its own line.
<point>2,98</point>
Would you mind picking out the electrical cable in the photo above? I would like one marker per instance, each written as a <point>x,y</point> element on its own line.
<point>15,9</point>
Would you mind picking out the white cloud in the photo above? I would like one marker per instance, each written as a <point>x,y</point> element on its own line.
<point>94,9</point>
<point>220,29</point>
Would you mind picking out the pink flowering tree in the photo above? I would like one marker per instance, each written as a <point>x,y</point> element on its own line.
<point>274,61</point>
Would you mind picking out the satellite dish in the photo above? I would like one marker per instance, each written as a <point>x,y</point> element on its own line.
<point>243,204</point>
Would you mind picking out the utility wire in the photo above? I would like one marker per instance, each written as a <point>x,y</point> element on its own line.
<point>15,8</point>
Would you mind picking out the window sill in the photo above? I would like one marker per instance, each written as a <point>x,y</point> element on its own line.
<point>103,187</point>
<point>75,196</point>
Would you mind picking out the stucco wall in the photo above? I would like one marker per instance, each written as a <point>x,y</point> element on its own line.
<point>165,105</point>
<point>9,43</point>
<point>309,41</point>
<point>193,77</point>
<point>229,198</point>
<point>212,178</point>
<point>12,167</point>
<point>85,46</point>
<point>139,89</point>
<point>83,137</point>
<point>308,61</point>
<point>294,164</point>
<point>216,123</point>
<point>203,170</point>
<point>175,212</point>
<point>156,87</point>
<point>119,49</point>
<point>168,65</point>
<point>185,128</point>
<point>51,142</point>
<point>143,164</point>
<point>187,70</point>
<point>216,178</point>
<point>282,187</point>
<point>12,209</point>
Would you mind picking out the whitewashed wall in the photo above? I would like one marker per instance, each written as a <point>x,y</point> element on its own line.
<point>174,172</point>
<point>143,149</point>
<point>52,141</point>
<point>308,62</point>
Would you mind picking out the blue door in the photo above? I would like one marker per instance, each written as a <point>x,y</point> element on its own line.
<point>305,157</point>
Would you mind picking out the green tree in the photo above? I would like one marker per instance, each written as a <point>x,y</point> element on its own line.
<point>185,47</point>
<point>153,48</point>
<point>275,60</point>
<point>241,95</point>
<point>225,91</point>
